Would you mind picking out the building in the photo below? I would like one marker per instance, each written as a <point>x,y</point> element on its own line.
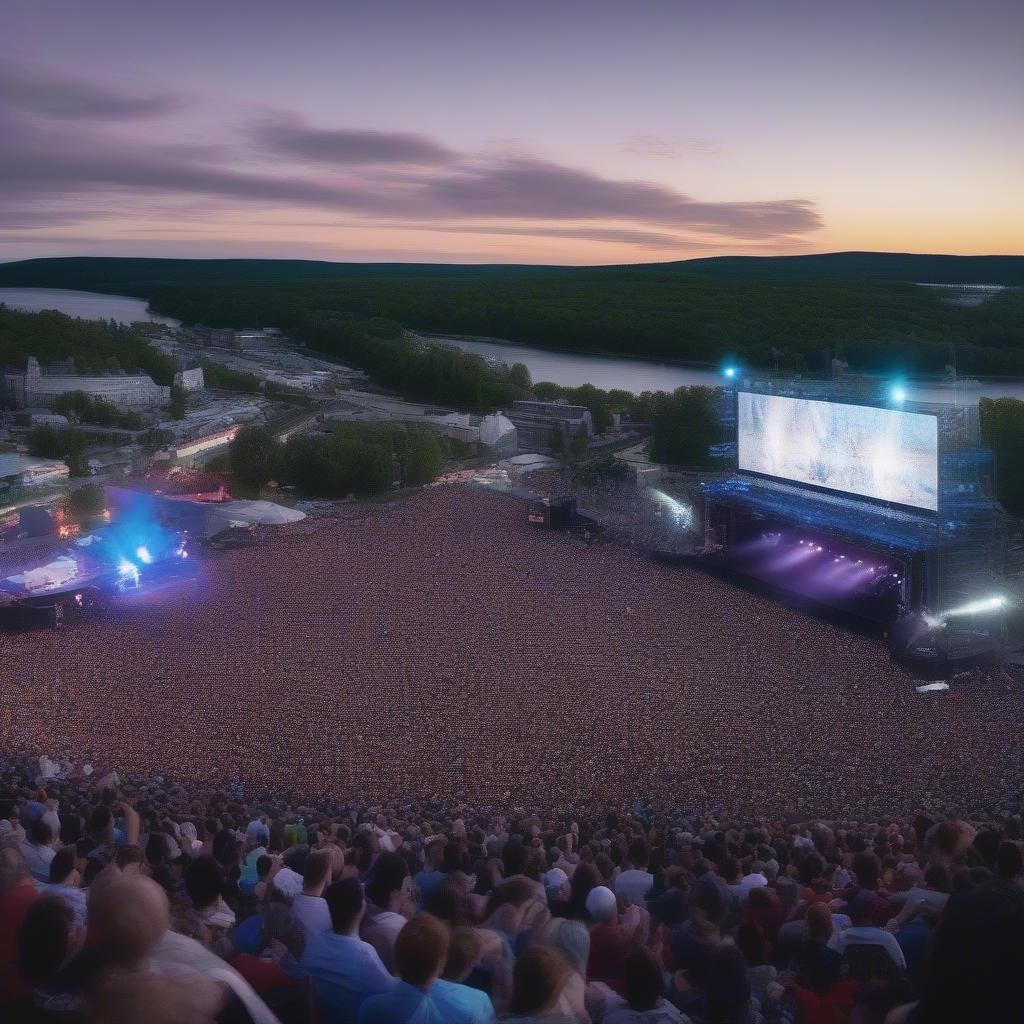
<point>538,423</point>
<point>42,418</point>
<point>29,470</point>
<point>222,337</point>
<point>204,445</point>
<point>32,387</point>
<point>498,434</point>
<point>190,380</point>
<point>246,338</point>
<point>257,338</point>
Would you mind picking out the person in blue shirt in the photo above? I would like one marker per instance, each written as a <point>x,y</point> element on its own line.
<point>343,969</point>
<point>428,881</point>
<point>422,996</point>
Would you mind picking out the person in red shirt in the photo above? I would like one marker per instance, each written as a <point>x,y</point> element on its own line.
<point>17,894</point>
<point>611,936</point>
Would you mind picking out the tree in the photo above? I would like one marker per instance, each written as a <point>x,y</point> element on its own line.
<point>78,464</point>
<point>546,391</point>
<point>596,402</point>
<point>309,464</point>
<point>84,502</point>
<point>75,405</point>
<point>43,440</point>
<point>217,375</point>
<point>255,455</point>
<point>423,459</point>
<point>366,467</point>
<point>50,443</point>
<point>177,409</point>
<point>1002,429</point>
<point>130,420</point>
<point>519,375</point>
<point>153,439</point>
<point>104,413</point>
<point>685,425</point>
<point>578,448</point>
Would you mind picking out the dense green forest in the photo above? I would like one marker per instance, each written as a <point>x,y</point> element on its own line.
<point>797,326</point>
<point>133,275</point>
<point>97,346</point>
<point>430,373</point>
<point>355,458</point>
<point>794,312</point>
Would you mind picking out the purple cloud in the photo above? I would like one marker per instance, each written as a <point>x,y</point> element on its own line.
<point>538,189</point>
<point>40,93</point>
<point>289,135</point>
<point>378,175</point>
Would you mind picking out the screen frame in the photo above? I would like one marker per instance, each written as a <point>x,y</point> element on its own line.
<point>919,510</point>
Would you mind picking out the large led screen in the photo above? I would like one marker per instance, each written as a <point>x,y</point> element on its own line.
<point>876,453</point>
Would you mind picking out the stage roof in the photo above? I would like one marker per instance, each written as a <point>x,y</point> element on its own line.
<point>855,521</point>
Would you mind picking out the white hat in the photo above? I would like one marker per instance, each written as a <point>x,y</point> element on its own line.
<point>601,903</point>
<point>288,883</point>
<point>555,879</point>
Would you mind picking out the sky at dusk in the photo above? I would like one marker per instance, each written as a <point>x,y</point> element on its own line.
<point>565,131</point>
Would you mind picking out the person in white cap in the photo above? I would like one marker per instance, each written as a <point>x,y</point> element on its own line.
<point>610,938</point>
<point>556,886</point>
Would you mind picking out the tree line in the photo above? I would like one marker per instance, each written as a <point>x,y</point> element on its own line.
<point>77,405</point>
<point>96,346</point>
<point>797,326</point>
<point>352,458</point>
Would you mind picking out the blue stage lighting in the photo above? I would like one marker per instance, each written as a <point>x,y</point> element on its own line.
<point>730,372</point>
<point>128,572</point>
<point>899,393</point>
<point>144,556</point>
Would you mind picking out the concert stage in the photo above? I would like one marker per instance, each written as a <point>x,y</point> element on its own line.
<point>862,506</point>
<point>870,561</point>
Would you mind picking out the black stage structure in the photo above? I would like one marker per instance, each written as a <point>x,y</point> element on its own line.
<point>934,581</point>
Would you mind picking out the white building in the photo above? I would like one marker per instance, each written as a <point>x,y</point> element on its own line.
<point>498,433</point>
<point>29,470</point>
<point>190,380</point>
<point>459,426</point>
<point>125,391</point>
<point>43,418</point>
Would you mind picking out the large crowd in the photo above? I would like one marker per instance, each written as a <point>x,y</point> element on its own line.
<point>417,761</point>
<point>142,899</point>
<point>439,645</point>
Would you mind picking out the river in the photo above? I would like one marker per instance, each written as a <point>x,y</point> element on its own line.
<point>87,305</point>
<point>566,369</point>
<point>637,375</point>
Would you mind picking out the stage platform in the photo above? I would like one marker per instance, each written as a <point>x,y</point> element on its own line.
<point>861,523</point>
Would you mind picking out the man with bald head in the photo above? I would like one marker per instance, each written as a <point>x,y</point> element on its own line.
<point>130,918</point>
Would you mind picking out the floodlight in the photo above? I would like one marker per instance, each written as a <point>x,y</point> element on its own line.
<point>128,571</point>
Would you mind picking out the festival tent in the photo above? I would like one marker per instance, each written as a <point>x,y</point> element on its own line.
<point>60,571</point>
<point>265,513</point>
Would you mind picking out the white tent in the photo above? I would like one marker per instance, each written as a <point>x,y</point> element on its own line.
<point>263,512</point>
<point>494,427</point>
<point>60,571</point>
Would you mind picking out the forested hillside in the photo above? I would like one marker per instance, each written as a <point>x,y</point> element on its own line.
<point>96,345</point>
<point>795,312</point>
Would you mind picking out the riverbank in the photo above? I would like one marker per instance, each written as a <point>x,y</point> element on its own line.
<point>603,370</point>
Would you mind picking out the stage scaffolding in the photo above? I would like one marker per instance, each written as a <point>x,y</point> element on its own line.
<point>967,540</point>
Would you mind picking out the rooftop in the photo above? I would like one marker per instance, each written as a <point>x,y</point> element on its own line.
<point>14,463</point>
